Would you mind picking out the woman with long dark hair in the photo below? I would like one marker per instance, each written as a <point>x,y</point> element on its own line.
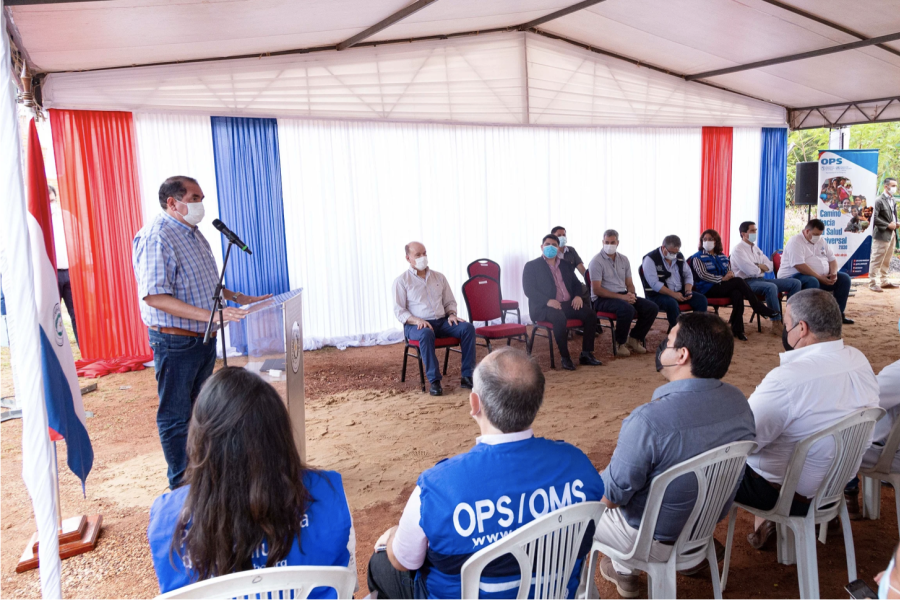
<point>247,501</point>
<point>714,278</point>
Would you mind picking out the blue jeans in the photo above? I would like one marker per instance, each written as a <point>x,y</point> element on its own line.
<point>182,364</point>
<point>669,305</point>
<point>840,288</point>
<point>442,328</point>
<point>770,288</point>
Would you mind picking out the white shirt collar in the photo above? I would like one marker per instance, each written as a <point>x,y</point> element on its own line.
<point>504,438</point>
<point>818,348</point>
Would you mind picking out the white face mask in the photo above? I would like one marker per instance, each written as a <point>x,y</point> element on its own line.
<point>814,239</point>
<point>610,248</point>
<point>562,241</point>
<point>421,263</point>
<point>708,246</point>
<point>194,214</point>
<point>670,256</point>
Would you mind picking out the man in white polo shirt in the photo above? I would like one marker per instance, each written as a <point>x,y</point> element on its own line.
<point>808,258</point>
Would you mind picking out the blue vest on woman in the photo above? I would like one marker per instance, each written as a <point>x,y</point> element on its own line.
<point>717,265</point>
<point>324,537</point>
<point>476,498</point>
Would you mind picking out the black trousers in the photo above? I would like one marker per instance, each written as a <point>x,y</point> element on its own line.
<point>737,290</point>
<point>388,581</point>
<point>558,318</point>
<point>625,312</point>
<point>757,492</point>
<point>65,294</point>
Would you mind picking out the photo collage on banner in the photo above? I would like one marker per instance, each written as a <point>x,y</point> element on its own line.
<point>848,186</point>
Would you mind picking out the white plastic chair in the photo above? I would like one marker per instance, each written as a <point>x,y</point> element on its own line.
<point>547,548</point>
<point>872,478</point>
<point>718,472</point>
<point>273,582</point>
<point>851,436</point>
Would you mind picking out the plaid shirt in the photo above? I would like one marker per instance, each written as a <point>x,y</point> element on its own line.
<point>172,258</point>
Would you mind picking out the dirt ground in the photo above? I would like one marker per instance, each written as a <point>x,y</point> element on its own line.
<point>380,434</point>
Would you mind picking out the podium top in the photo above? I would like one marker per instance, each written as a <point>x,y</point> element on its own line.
<point>277,300</point>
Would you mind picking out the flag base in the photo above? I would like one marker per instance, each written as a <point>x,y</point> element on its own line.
<point>77,536</point>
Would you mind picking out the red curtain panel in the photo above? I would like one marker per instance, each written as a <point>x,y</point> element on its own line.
<point>715,184</point>
<point>99,194</point>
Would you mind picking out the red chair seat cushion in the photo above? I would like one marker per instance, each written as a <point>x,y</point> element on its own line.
<point>685,307</point>
<point>504,330</point>
<point>606,315</point>
<point>441,342</point>
<point>570,323</point>
<point>509,304</point>
<point>718,301</point>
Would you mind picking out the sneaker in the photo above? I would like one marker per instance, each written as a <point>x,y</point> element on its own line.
<point>626,585</point>
<point>876,288</point>
<point>622,351</point>
<point>635,346</point>
<point>888,285</point>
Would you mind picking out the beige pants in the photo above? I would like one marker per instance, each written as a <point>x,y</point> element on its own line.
<point>614,531</point>
<point>880,260</point>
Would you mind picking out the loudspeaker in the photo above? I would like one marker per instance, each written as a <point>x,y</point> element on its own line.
<point>806,184</point>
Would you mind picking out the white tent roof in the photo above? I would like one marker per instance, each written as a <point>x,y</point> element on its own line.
<point>682,37</point>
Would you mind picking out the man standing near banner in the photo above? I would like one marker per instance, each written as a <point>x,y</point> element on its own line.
<point>883,231</point>
<point>177,276</point>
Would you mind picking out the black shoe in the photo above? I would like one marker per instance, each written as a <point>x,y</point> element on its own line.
<point>740,335</point>
<point>766,312</point>
<point>436,389</point>
<point>587,358</point>
<point>567,364</point>
<point>847,321</point>
<point>466,382</point>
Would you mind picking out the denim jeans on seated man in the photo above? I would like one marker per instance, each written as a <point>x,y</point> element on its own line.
<point>669,305</point>
<point>840,288</point>
<point>442,328</point>
<point>771,288</point>
<point>182,364</point>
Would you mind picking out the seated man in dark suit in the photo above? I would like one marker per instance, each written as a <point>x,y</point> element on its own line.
<point>554,295</point>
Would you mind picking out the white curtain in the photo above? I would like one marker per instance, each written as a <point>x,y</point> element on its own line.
<point>746,155</point>
<point>178,145</point>
<point>356,192</point>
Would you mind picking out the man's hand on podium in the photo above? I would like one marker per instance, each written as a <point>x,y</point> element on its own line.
<point>233,315</point>
<point>244,299</point>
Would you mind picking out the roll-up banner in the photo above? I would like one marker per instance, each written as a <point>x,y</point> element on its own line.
<point>848,186</point>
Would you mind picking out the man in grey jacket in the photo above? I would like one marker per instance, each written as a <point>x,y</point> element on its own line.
<point>884,227</point>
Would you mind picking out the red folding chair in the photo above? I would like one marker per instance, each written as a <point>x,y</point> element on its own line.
<point>443,342</point>
<point>611,317</point>
<point>482,296</point>
<point>548,327</point>
<point>485,266</point>
<point>683,307</point>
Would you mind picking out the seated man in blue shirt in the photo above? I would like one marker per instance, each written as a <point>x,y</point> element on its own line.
<point>693,413</point>
<point>464,503</point>
<point>668,281</point>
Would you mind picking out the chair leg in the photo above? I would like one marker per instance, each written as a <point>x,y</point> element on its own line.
<point>518,317</point>
<point>786,544</point>
<point>446,360</point>
<point>661,583</point>
<point>729,540</point>
<point>405,358</point>
<point>807,567</point>
<point>871,490</point>
<point>509,341</point>
<point>529,341</point>
<point>550,339</point>
<point>897,501</point>
<point>488,342</point>
<point>714,570</point>
<point>848,541</point>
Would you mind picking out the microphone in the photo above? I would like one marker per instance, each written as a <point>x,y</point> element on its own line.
<point>232,237</point>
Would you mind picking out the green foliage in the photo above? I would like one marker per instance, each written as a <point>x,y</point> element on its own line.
<point>804,146</point>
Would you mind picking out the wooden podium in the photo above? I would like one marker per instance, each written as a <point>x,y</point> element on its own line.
<point>77,536</point>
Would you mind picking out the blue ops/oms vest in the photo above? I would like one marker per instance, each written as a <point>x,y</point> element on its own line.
<point>703,263</point>
<point>324,538</point>
<point>476,498</point>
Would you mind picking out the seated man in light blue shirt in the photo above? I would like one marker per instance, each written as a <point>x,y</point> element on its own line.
<point>424,304</point>
<point>668,280</point>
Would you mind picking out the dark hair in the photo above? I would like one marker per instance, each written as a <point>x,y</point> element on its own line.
<point>245,477</point>
<point>557,228</point>
<point>709,341</point>
<point>50,188</point>
<point>511,388</point>
<point>815,224</point>
<point>717,249</point>
<point>745,226</point>
<point>671,240</point>
<point>887,180</point>
<point>549,236</point>
<point>173,187</point>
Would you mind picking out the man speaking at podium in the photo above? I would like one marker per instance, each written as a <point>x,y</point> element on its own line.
<point>177,277</point>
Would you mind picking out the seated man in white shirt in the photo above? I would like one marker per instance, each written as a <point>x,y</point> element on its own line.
<point>820,381</point>
<point>808,258</point>
<point>464,503</point>
<point>425,305</point>
<point>749,263</point>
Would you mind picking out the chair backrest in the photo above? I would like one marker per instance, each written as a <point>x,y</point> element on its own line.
<point>484,266</point>
<point>891,444</point>
<point>776,262</point>
<point>482,296</point>
<point>546,548</point>
<point>718,472</point>
<point>851,437</point>
<point>289,582</point>
<point>587,278</point>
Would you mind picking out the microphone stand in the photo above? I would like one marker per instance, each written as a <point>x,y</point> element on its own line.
<point>219,305</point>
